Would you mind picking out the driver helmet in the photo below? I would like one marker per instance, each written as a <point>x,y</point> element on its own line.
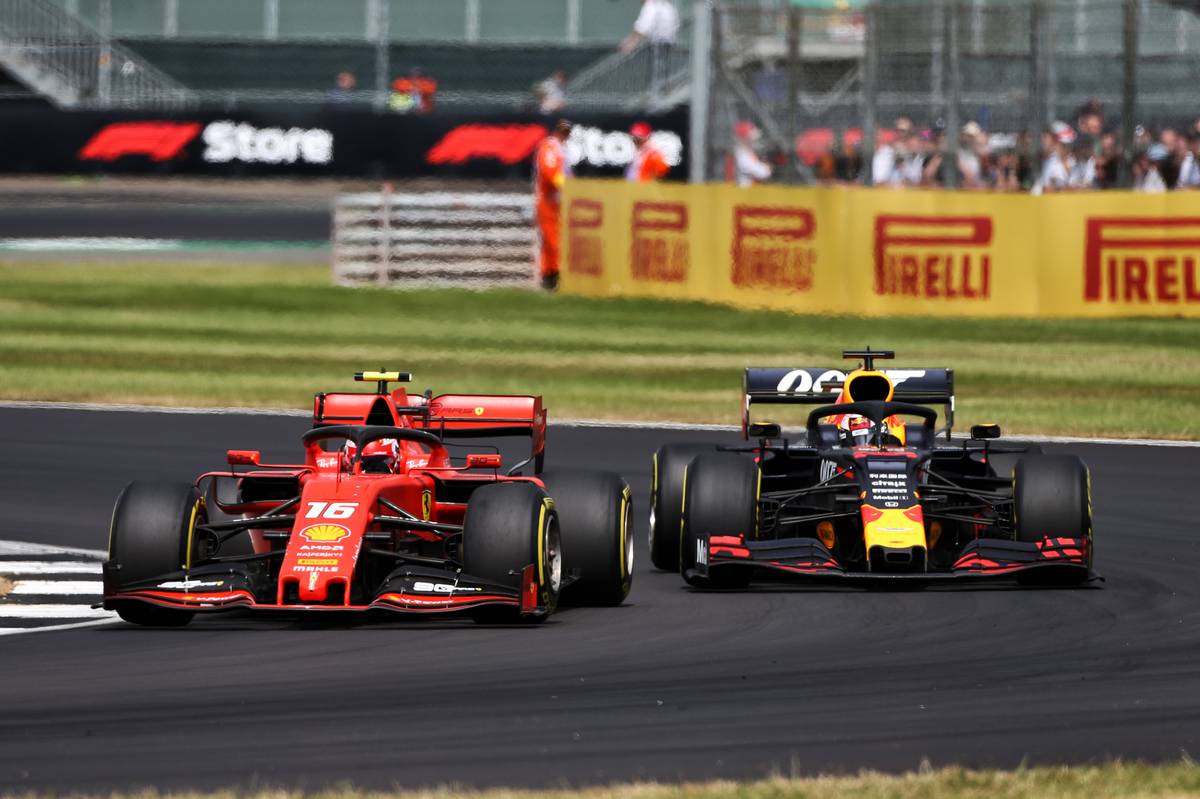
<point>858,430</point>
<point>378,457</point>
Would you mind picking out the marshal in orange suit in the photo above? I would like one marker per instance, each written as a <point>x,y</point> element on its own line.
<point>550,171</point>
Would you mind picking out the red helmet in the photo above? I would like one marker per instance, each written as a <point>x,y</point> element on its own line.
<point>380,456</point>
<point>640,130</point>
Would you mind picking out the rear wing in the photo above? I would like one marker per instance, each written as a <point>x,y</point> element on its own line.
<point>821,386</point>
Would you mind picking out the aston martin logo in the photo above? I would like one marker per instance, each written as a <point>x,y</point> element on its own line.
<point>325,533</point>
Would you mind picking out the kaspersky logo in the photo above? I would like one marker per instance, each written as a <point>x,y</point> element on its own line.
<point>1142,260</point>
<point>936,257</point>
<point>773,248</point>
<point>159,141</point>
<point>508,144</point>
<point>325,533</point>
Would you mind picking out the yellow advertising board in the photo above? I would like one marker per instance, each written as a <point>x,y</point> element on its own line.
<point>882,252</point>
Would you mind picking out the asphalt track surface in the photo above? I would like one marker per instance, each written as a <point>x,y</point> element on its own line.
<point>676,684</point>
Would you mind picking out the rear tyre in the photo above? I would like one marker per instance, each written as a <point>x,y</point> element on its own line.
<point>720,498</point>
<point>510,526</point>
<point>152,536</point>
<point>1052,497</point>
<point>594,513</point>
<point>666,501</point>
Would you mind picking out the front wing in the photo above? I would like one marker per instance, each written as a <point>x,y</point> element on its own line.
<point>410,590</point>
<point>1054,559</point>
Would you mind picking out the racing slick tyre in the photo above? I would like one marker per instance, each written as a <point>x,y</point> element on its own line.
<point>666,500</point>
<point>594,511</point>
<point>721,492</point>
<point>510,526</point>
<point>151,535</point>
<point>1052,497</point>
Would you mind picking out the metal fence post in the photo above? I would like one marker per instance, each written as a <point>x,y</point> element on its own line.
<point>382,54</point>
<point>104,87</point>
<point>1037,82</point>
<point>1129,91</point>
<point>953,92</point>
<point>794,20</point>
<point>870,88</point>
<point>700,111</point>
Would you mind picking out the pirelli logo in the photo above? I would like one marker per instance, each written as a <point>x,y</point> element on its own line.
<point>936,257</point>
<point>659,252</point>
<point>773,248</point>
<point>584,221</point>
<point>1142,260</point>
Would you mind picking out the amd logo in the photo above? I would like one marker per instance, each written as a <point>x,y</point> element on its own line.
<point>227,141</point>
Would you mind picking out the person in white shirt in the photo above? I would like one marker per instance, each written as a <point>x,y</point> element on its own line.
<point>889,157</point>
<point>1189,168</point>
<point>1056,169</point>
<point>1147,177</point>
<point>749,169</point>
<point>658,24</point>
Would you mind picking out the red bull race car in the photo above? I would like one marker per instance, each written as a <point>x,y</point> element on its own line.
<point>871,489</point>
<point>386,512</point>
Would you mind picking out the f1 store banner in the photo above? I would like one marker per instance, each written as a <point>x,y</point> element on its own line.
<point>318,141</point>
<point>879,252</point>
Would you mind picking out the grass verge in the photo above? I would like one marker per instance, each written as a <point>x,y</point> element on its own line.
<point>1126,780</point>
<point>271,335</point>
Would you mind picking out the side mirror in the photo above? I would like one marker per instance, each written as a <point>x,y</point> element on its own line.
<point>476,461</point>
<point>763,430</point>
<point>243,457</point>
<point>989,430</point>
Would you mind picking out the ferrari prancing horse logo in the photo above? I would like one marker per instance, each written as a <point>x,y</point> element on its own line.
<point>426,505</point>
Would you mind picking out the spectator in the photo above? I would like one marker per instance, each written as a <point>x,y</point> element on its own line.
<point>970,165</point>
<point>1189,168</point>
<point>1147,175</point>
<point>850,160</point>
<point>1108,162</point>
<point>551,94</point>
<point>1005,173</point>
<point>648,164</point>
<point>1056,169</point>
<point>749,168</point>
<point>343,88</point>
<point>412,94</point>
<point>658,24</point>
<point>890,155</point>
<point>1083,167</point>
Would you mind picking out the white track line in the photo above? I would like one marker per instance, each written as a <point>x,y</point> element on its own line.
<point>16,568</point>
<point>26,548</point>
<point>64,587</point>
<point>615,423</point>
<point>79,611</point>
<point>54,627</point>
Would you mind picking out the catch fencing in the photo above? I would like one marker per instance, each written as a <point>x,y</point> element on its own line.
<point>474,240</point>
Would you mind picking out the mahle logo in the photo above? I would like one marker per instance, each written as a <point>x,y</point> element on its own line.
<point>934,257</point>
<point>325,533</point>
<point>1139,260</point>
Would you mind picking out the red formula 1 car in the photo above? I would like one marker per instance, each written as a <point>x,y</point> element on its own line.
<point>867,492</point>
<point>386,512</point>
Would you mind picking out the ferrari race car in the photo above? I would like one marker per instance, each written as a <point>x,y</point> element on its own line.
<point>386,512</point>
<point>867,492</point>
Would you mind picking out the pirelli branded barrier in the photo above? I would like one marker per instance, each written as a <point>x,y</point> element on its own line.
<point>881,252</point>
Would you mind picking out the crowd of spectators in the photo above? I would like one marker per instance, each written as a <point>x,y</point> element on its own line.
<point>1083,155</point>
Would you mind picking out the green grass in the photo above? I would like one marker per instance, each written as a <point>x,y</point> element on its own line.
<point>267,335</point>
<point>1128,781</point>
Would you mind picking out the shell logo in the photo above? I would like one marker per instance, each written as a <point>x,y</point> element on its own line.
<point>325,533</point>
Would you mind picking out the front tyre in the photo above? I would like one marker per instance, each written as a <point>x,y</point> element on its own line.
<point>666,501</point>
<point>1052,497</point>
<point>153,536</point>
<point>594,512</point>
<point>720,498</point>
<point>508,527</point>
